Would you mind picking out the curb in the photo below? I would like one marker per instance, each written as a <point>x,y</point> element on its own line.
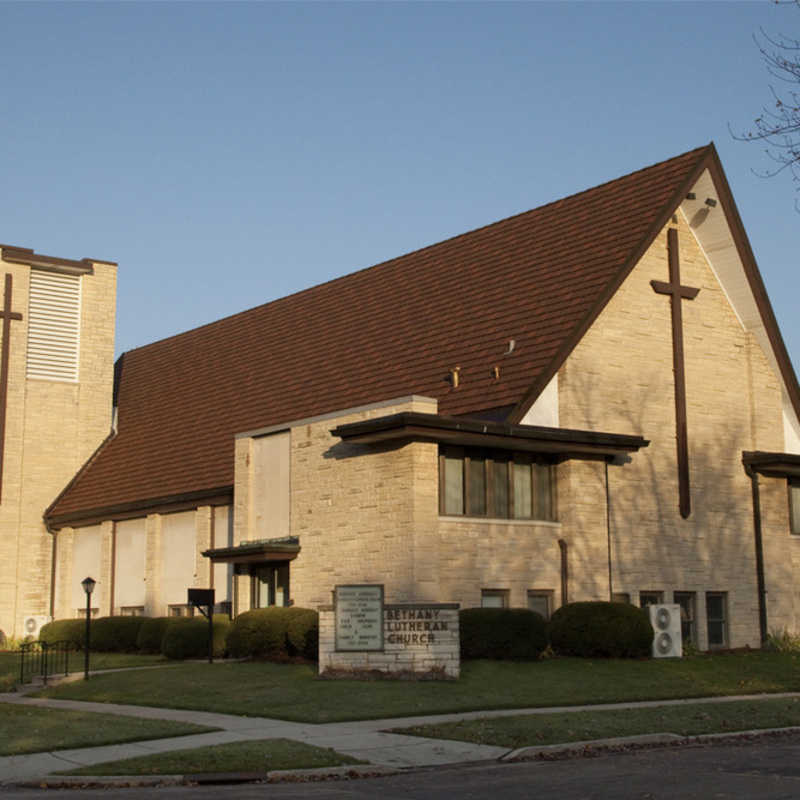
<point>352,772</point>
<point>646,740</point>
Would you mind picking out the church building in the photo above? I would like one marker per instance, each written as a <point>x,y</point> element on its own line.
<point>587,401</point>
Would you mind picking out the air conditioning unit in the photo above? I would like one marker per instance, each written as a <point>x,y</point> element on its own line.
<point>666,622</point>
<point>33,624</point>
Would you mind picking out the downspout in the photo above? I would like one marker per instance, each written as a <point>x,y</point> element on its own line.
<point>608,535</point>
<point>762,592</point>
<point>564,572</point>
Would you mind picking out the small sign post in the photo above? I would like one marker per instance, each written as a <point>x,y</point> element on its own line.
<point>203,601</point>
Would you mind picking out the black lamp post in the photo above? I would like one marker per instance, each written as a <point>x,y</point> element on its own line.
<point>88,587</point>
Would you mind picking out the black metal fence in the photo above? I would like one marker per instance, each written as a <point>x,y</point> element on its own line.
<point>40,659</point>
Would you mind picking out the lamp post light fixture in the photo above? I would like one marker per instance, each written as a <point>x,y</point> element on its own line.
<point>88,587</point>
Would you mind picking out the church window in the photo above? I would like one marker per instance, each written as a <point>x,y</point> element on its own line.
<point>686,600</point>
<point>794,506</point>
<point>494,598</point>
<point>54,316</point>
<point>180,610</point>
<point>650,599</point>
<point>717,619</point>
<point>495,484</point>
<point>132,611</point>
<point>541,601</point>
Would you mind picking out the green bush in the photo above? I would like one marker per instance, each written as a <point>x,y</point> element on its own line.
<point>502,633</point>
<point>303,633</point>
<point>187,637</point>
<point>64,630</point>
<point>151,634</point>
<point>601,629</point>
<point>275,633</point>
<point>115,634</point>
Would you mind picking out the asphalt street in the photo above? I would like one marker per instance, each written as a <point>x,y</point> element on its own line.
<point>763,769</point>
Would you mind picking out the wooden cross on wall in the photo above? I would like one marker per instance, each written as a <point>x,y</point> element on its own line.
<point>678,293</point>
<point>7,315</point>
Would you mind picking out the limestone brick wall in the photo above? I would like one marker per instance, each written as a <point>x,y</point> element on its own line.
<point>359,512</point>
<point>52,427</point>
<point>619,379</point>
<point>415,652</point>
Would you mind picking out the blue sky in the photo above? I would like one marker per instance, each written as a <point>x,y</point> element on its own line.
<point>226,154</point>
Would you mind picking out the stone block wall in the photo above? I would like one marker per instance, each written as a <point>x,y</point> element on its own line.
<point>619,378</point>
<point>421,638</point>
<point>52,427</point>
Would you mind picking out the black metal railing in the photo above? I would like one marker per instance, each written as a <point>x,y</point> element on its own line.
<point>43,659</point>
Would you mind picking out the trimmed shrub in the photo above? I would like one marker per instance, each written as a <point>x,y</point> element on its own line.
<point>601,630</point>
<point>260,633</point>
<point>515,634</point>
<point>151,634</point>
<point>303,633</point>
<point>115,634</point>
<point>187,637</point>
<point>274,633</point>
<point>64,630</point>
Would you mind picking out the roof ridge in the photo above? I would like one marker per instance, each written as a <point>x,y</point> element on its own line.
<point>419,250</point>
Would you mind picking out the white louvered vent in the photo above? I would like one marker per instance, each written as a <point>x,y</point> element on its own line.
<point>54,317</point>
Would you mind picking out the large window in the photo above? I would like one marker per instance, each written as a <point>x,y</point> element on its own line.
<point>486,483</point>
<point>717,619</point>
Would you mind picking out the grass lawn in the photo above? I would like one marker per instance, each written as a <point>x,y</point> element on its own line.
<point>294,692</point>
<point>9,664</point>
<point>255,756</point>
<point>687,720</point>
<point>25,729</point>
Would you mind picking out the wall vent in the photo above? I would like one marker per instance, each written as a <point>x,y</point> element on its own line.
<point>54,316</point>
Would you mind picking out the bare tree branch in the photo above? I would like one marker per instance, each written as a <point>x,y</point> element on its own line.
<point>778,125</point>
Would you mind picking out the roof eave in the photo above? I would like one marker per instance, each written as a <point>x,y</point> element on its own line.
<point>537,387</point>
<point>559,443</point>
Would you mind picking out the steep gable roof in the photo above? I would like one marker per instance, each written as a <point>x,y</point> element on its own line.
<point>391,330</point>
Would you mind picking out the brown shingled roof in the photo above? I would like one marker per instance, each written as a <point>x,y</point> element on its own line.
<point>390,330</point>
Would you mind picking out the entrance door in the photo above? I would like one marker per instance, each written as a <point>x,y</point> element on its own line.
<point>270,585</point>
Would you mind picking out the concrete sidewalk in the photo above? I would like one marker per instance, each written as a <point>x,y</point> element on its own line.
<point>365,740</point>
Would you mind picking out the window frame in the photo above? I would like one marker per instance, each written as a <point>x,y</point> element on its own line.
<point>503,594</point>
<point>656,598</point>
<point>793,483</point>
<point>490,505</point>
<point>690,623</point>
<point>723,596</point>
<point>547,595</point>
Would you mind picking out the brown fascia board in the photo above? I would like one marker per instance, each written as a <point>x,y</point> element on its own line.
<point>24,255</point>
<point>418,426</point>
<point>773,465</point>
<point>218,496</point>
<point>755,280</point>
<point>707,157</point>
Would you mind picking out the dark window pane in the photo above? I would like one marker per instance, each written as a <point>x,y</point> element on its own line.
<point>714,607</point>
<point>716,619</point>
<point>686,601</point>
<point>477,487</point>
<point>543,504</point>
<point>500,487</point>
